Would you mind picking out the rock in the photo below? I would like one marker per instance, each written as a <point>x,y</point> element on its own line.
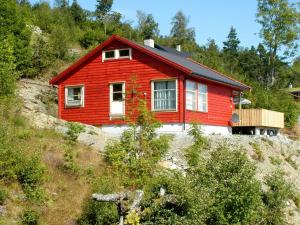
<point>2,210</point>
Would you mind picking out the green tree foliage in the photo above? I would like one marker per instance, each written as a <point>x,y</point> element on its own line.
<point>231,45</point>
<point>103,7</point>
<point>179,31</point>
<point>63,4</point>
<point>79,15</point>
<point>280,30</point>
<point>230,49</point>
<point>147,26</point>
<point>8,74</point>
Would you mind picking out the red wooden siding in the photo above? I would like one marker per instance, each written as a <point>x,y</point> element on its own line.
<point>220,106</point>
<point>96,77</point>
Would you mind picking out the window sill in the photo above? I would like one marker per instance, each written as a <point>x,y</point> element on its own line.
<point>119,59</point>
<point>167,110</point>
<point>73,106</point>
<point>117,116</point>
<point>196,111</point>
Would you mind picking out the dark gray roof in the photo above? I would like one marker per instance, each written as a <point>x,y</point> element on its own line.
<point>173,51</point>
<point>196,68</point>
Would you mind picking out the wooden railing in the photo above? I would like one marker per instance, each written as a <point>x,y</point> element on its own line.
<point>259,118</point>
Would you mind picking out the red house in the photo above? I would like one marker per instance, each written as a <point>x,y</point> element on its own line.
<point>178,90</point>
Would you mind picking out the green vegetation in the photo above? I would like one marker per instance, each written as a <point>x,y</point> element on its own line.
<point>41,171</point>
<point>259,153</point>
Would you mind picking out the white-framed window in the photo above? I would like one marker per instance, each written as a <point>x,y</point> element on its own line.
<point>116,54</point>
<point>164,95</point>
<point>117,99</point>
<point>196,96</point>
<point>74,96</point>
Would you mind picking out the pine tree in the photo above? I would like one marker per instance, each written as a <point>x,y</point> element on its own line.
<point>77,12</point>
<point>62,4</point>
<point>232,43</point>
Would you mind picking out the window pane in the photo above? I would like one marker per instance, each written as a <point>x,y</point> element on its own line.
<point>118,96</point>
<point>191,100</point>
<point>161,85</point>
<point>202,88</point>
<point>165,95</point>
<point>110,54</point>
<point>192,86</point>
<point>117,87</point>
<point>124,53</point>
<point>171,85</point>
<point>74,96</point>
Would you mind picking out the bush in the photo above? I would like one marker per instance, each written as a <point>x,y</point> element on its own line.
<point>258,151</point>
<point>139,149</point>
<point>101,212</point>
<point>275,199</point>
<point>30,217</point>
<point>229,179</point>
<point>193,152</point>
<point>3,195</point>
<point>74,130</point>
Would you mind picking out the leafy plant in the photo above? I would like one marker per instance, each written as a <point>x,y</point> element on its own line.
<point>193,152</point>
<point>3,195</point>
<point>275,199</point>
<point>74,130</point>
<point>30,217</point>
<point>258,151</point>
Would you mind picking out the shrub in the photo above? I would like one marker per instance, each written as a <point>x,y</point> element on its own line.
<point>3,195</point>
<point>258,151</point>
<point>193,152</point>
<point>228,177</point>
<point>69,161</point>
<point>74,130</point>
<point>139,148</point>
<point>30,217</point>
<point>275,199</point>
<point>101,212</point>
<point>275,160</point>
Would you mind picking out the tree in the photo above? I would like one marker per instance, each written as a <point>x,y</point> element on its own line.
<point>232,44</point>
<point>179,30</point>
<point>7,67</point>
<point>77,12</point>
<point>280,30</point>
<point>147,26</point>
<point>103,7</point>
<point>63,4</point>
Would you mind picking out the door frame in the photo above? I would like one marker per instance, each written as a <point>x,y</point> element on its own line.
<point>111,115</point>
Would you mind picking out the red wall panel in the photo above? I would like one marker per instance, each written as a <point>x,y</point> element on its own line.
<point>96,76</point>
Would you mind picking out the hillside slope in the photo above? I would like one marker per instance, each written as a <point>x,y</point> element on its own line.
<point>65,193</point>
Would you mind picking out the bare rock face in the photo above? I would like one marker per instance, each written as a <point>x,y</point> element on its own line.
<point>40,108</point>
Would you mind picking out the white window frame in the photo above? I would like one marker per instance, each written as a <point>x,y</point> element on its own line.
<point>82,96</point>
<point>197,96</point>
<point>117,54</point>
<point>152,96</point>
<point>111,115</point>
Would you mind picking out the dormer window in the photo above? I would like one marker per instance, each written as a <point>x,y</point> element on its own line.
<point>110,54</point>
<point>116,54</point>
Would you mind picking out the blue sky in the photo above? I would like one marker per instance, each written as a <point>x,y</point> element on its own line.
<point>210,18</point>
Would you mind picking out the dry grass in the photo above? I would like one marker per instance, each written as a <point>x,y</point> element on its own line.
<point>65,193</point>
<point>293,133</point>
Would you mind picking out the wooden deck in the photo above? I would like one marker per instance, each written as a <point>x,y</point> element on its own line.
<point>259,118</point>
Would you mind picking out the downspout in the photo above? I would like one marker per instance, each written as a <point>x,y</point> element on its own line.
<point>184,103</point>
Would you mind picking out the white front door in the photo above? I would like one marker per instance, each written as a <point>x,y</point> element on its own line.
<point>117,100</point>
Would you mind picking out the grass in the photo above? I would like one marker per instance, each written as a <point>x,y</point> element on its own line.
<point>275,160</point>
<point>268,141</point>
<point>291,161</point>
<point>259,154</point>
<point>64,192</point>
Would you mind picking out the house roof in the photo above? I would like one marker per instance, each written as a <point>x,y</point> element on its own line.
<point>176,59</point>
